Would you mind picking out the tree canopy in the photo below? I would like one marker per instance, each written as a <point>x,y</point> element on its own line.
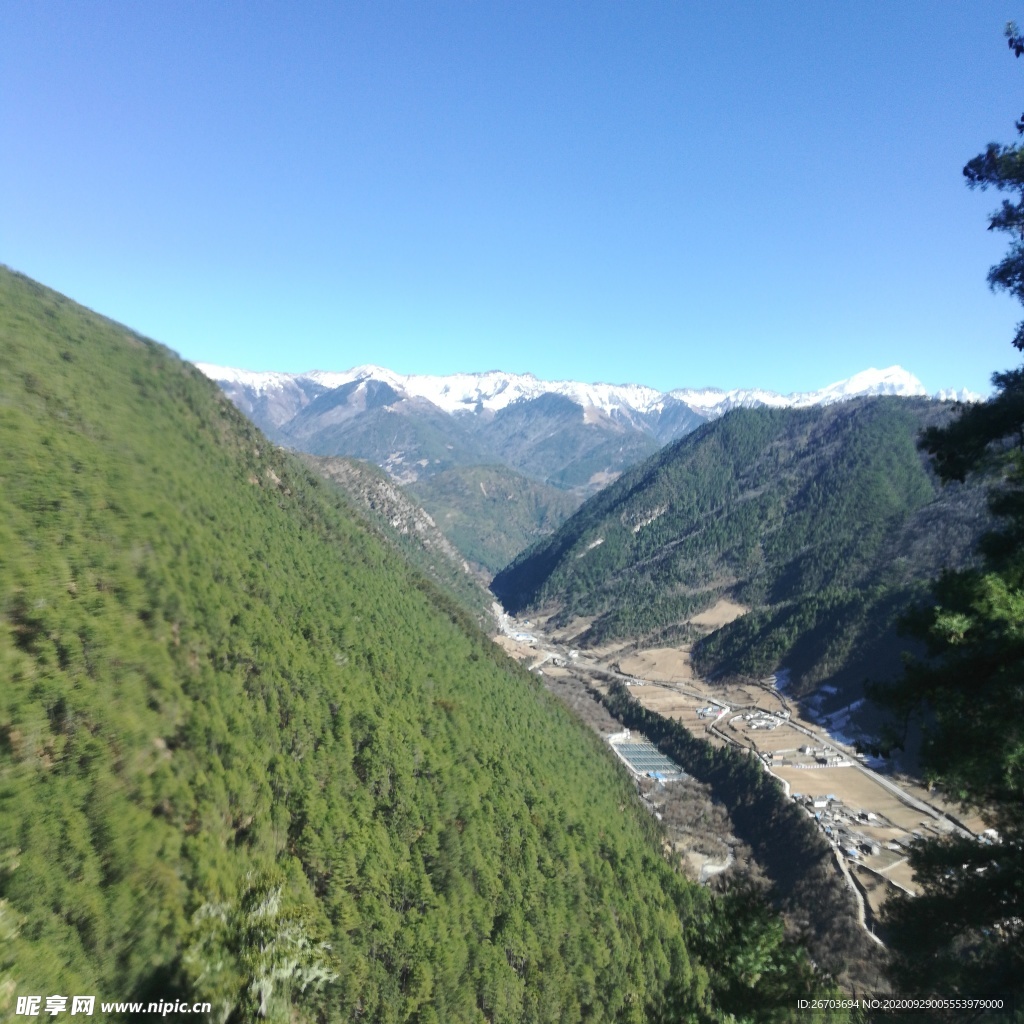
<point>249,755</point>
<point>964,933</point>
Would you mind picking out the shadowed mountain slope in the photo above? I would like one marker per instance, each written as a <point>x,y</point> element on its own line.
<point>553,439</point>
<point>369,420</point>
<point>491,513</point>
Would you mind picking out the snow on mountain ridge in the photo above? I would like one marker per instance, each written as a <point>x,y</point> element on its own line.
<point>259,380</point>
<point>714,402</point>
<point>892,381</point>
<point>494,390</point>
<point>958,395</point>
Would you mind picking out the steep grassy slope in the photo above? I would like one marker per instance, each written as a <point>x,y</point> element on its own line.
<point>823,520</point>
<point>248,756</point>
<point>491,513</point>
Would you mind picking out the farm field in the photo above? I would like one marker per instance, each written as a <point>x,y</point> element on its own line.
<point>719,614</point>
<point>666,664</point>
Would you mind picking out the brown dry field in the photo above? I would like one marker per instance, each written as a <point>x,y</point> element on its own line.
<point>670,703</point>
<point>857,791</point>
<point>720,614</point>
<point>672,665</point>
<point>663,664</point>
<point>554,671</point>
<point>884,833</point>
<point>567,633</point>
<point>605,652</point>
<point>970,817</point>
<point>683,706</point>
<point>902,875</point>
<point>514,648</point>
<point>885,860</point>
<point>876,889</point>
<point>737,696</point>
<point>782,740</point>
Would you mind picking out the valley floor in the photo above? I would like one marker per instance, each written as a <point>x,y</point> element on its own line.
<point>869,817</point>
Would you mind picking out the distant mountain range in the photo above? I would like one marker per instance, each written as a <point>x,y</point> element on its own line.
<point>573,435</point>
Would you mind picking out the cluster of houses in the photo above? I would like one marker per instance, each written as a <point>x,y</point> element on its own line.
<point>711,711</point>
<point>823,757</point>
<point>758,719</point>
<point>840,825</point>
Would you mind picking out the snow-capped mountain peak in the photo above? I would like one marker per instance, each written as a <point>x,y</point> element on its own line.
<point>495,390</point>
<point>581,439</point>
<point>892,381</point>
<point>714,402</point>
<point>257,381</point>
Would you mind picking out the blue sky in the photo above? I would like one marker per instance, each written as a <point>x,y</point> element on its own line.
<point>675,194</point>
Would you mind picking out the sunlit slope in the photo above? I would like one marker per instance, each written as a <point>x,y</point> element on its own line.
<point>228,712</point>
<point>824,521</point>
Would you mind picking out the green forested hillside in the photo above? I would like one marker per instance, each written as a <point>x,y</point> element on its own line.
<point>406,525</point>
<point>824,521</point>
<point>491,513</point>
<point>248,756</point>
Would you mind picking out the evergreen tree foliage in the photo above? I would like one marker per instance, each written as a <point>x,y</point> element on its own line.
<point>491,513</point>
<point>249,755</point>
<point>965,934</point>
<point>403,523</point>
<point>812,517</point>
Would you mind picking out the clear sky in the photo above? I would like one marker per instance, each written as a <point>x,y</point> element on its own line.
<point>670,193</point>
